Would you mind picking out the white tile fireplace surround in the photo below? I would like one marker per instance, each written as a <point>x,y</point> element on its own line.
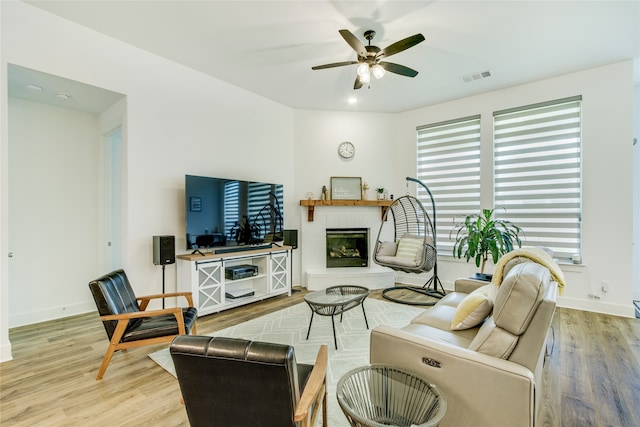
<point>316,275</point>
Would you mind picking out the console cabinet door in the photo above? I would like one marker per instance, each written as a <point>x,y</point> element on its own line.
<point>280,279</point>
<point>208,286</point>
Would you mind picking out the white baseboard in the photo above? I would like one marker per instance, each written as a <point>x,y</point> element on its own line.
<point>5,352</point>
<point>597,307</point>
<point>52,313</point>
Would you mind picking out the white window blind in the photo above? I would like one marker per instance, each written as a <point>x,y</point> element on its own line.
<point>449,164</point>
<point>231,206</point>
<point>258,201</point>
<point>537,173</point>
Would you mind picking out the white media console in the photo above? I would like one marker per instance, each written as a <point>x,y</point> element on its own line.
<point>261,273</point>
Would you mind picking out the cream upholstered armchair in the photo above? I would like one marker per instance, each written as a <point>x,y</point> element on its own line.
<point>483,345</point>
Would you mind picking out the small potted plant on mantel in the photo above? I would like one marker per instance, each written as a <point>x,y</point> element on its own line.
<point>380,193</point>
<point>480,236</point>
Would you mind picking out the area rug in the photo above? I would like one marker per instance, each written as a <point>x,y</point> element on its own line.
<point>289,326</point>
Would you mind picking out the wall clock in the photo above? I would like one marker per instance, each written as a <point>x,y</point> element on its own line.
<point>346,150</point>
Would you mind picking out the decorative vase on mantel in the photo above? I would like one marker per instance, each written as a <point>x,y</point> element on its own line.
<point>365,187</point>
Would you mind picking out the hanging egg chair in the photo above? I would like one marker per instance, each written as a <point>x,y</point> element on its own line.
<point>413,248</point>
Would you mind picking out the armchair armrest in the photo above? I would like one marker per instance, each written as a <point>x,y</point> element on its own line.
<point>139,314</point>
<point>123,321</point>
<point>467,286</point>
<point>480,389</point>
<point>144,300</point>
<point>314,391</point>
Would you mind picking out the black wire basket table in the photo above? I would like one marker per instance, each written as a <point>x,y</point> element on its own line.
<point>381,395</point>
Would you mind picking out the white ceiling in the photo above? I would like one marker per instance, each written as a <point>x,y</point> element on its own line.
<point>58,91</point>
<point>269,47</point>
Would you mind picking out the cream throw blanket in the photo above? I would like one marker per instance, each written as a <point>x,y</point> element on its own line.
<point>534,254</point>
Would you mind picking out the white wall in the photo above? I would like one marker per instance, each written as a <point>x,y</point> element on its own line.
<point>636,182</point>
<point>5,345</point>
<point>317,135</point>
<point>178,122</point>
<point>607,119</point>
<point>53,211</point>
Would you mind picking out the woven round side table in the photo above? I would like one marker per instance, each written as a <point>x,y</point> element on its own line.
<point>382,395</point>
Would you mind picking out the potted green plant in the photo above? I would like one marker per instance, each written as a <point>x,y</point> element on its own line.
<point>380,191</point>
<point>481,236</point>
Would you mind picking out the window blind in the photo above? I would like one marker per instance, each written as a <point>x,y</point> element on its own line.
<point>258,199</point>
<point>231,206</point>
<point>449,164</point>
<point>537,173</point>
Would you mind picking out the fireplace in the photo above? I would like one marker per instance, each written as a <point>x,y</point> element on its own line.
<point>347,247</point>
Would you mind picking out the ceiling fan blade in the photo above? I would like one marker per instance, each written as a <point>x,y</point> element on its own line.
<point>401,45</point>
<point>335,64</point>
<point>354,42</point>
<point>398,69</point>
<point>358,83</point>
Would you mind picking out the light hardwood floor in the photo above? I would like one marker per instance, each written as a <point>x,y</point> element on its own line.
<point>592,376</point>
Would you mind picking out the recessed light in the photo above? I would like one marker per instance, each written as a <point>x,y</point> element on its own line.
<point>33,88</point>
<point>63,96</point>
<point>352,100</point>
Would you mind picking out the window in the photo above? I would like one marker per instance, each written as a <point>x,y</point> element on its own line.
<point>231,206</point>
<point>263,209</point>
<point>537,173</point>
<point>259,203</point>
<point>449,164</point>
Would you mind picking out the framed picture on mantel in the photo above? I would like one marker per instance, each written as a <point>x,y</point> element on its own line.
<point>346,188</point>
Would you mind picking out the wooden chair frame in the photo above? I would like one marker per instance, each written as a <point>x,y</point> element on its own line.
<point>123,322</point>
<point>314,391</point>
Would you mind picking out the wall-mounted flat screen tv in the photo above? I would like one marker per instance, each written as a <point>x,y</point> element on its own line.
<point>230,212</point>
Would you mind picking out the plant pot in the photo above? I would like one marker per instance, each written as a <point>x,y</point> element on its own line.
<point>380,196</point>
<point>482,276</point>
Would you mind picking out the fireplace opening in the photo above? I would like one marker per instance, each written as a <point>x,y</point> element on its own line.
<point>347,247</point>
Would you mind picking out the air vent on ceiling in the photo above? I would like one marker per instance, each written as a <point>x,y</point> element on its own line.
<point>476,76</point>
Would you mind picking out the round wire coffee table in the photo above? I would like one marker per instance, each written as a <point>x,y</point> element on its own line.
<point>380,395</point>
<point>336,300</point>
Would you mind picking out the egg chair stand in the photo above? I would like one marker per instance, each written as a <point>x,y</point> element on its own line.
<point>413,249</point>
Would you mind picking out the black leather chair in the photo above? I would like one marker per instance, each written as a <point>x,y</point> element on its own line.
<point>128,324</point>
<point>229,382</point>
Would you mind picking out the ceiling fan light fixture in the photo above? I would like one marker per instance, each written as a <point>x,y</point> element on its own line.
<point>377,71</point>
<point>363,69</point>
<point>365,78</point>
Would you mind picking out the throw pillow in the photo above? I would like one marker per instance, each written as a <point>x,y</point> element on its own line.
<point>473,309</point>
<point>387,249</point>
<point>408,247</point>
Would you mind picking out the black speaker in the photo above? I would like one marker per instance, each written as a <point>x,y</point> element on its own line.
<point>291,238</point>
<point>164,250</point>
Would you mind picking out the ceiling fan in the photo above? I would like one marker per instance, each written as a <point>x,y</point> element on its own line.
<point>371,58</point>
